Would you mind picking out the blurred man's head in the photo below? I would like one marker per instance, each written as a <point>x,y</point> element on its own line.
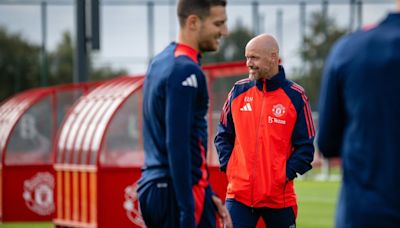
<point>202,23</point>
<point>262,57</point>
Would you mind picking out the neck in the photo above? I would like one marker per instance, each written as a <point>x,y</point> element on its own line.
<point>187,39</point>
<point>398,6</point>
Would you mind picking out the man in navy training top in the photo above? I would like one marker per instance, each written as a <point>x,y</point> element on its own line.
<point>360,122</point>
<point>174,189</point>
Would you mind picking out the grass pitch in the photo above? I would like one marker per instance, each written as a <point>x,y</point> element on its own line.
<point>27,225</point>
<point>317,203</point>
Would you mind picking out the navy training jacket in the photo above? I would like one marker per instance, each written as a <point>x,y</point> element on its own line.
<point>175,103</point>
<point>360,122</point>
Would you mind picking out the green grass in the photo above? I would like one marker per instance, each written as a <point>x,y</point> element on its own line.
<point>26,225</point>
<point>317,203</point>
<point>317,200</point>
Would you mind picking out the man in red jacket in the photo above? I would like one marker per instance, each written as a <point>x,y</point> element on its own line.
<point>265,138</point>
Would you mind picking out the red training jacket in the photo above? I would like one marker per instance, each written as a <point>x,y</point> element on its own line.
<point>265,137</point>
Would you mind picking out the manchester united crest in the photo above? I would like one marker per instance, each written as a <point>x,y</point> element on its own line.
<point>38,193</point>
<point>278,110</point>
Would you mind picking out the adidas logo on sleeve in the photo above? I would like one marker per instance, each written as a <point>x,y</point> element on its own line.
<point>190,81</point>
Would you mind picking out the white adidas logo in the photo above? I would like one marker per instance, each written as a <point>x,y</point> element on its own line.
<point>190,81</point>
<point>246,108</point>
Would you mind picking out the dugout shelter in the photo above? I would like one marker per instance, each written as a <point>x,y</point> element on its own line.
<point>99,150</point>
<point>28,125</point>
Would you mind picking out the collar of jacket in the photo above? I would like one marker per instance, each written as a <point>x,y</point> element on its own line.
<point>183,49</point>
<point>274,83</point>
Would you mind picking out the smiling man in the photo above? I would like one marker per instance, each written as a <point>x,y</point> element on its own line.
<point>265,138</point>
<point>174,189</point>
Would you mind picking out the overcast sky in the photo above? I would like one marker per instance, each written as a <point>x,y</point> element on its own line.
<point>124,42</point>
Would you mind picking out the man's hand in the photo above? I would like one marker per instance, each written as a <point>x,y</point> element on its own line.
<point>222,212</point>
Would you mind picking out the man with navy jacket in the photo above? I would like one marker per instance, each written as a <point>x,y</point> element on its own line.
<point>174,190</point>
<point>360,122</point>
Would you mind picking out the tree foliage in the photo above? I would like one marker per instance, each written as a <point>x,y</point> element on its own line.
<point>20,65</point>
<point>323,34</point>
<point>106,72</point>
<point>61,62</point>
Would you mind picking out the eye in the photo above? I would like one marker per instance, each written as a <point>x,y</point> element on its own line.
<point>219,23</point>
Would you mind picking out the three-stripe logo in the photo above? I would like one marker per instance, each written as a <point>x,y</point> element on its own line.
<point>190,81</point>
<point>246,108</point>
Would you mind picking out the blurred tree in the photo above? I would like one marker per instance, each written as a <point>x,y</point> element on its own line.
<point>106,72</point>
<point>19,64</point>
<point>61,63</point>
<point>232,47</point>
<point>316,46</point>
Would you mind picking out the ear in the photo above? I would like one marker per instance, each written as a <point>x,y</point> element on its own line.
<point>274,56</point>
<point>192,22</point>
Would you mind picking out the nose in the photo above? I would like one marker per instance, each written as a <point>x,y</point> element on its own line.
<point>249,62</point>
<point>224,30</point>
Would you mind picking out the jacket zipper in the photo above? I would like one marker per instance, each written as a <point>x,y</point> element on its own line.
<point>264,93</point>
<point>284,193</point>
